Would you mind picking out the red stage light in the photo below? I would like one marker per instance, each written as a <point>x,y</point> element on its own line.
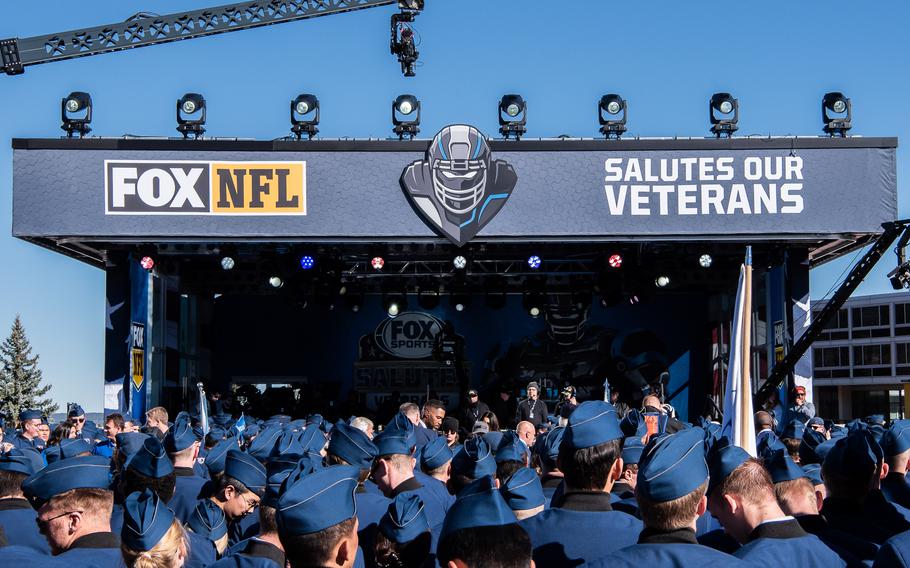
<point>377,262</point>
<point>615,260</point>
<point>147,262</point>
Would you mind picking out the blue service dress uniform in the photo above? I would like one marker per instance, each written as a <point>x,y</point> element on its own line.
<point>854,551</point>
<point>438,489</point>
<point>785,543</point>
<point>423,435</point>
<point>187,492</point>
<point>875,520</point>
<point>17,518</point>
<point>671,549</point>
<point>370,508</point>
<point>258,552</point>
<point>895,553</point>
<point>101,550</point>
<point>21,442</point>
<point>582,527</point>
<point>16,555</point>
<point>244,528</point>
<point>117,518</point>
<point>897,489</point>
<point>202,551</point>
<point>434,506</point>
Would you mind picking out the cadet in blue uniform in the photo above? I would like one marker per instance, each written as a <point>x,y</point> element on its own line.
<point>547,449</point>
<point>672,481</point>
<point>624,489</point>
<point>436,462</point>
<point>150,528</point>
<point>350,446</point>
<point>895,445</point>
<point>895,553</point>
<point>523,493</point>
<point>583,525</point>
<point>79,529</point>
<point>741,496</point>
<point>317,521</point>
<point>28,436</point>
<point>17,518</point>
<point>480,530</point>
<point>182,446</point>
<point>393,470</point>
<point>404,539</point>
<point>472,461</point>
<point>239,489</point>
<point>207,533</point>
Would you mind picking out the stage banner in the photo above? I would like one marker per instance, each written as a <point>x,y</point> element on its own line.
<point>460,186</point>
<point>117,334</point>
<point>139,354</point>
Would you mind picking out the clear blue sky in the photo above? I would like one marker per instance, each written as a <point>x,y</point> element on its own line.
<point>778,57</point>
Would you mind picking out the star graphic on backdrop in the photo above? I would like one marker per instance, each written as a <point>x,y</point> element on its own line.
<point>804,306</point>
<point>111,309</point>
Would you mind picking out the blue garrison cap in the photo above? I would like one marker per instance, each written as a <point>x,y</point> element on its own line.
<point>180,436</point>
<point>245,469</point>
<point>794,429</point>
<point>208,520</point>
<point>672,465</point>
<point>21,461</point>
<point>216,457</point>
<point>250,431</point>
<point>316,419</point>
<point>67,449</point>
<point>276,472</point>
<point>263,448</point>
<point>814,473</point>
<point>811,440</point>
<point>523,490</point>
<point>128,443</point>
<point>815,421</point>
<point>896,440</point>
<point>312,439</point>
<point>404,520</point>
<point>875,420</point>
<point>151,460</point>
<point>317,501</point>
<point>821,450</point>
<point>769,442</point>
<point>593,422</point>
<point>83,472</point>
<point>510,448</point>
<point>479,504</point>
<point>30,415</point>
<point>306,465</point>
<point>146,519</point>
<point>548,445</point>
<point>877,431</point>
<point>781,467</point>
<point>433,454</point>
<point>723,458</point>
<point>397,438</point>
<point>493,439</point>
<point>288,444</point>
<point>633,424</point>
<point>856,455</point>
<point>474,459</point>
<point>631,450</point>
<point>76,410</point>
<point>216,434</point>
<point>353,446</point>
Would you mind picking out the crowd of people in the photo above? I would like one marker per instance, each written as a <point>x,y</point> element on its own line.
<point>596,484</point>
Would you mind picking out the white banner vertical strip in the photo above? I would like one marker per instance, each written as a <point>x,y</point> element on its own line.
<point>738,425</point>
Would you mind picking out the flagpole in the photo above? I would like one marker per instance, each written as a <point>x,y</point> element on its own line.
<point>745,387</point>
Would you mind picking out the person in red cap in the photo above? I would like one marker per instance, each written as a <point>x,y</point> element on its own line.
<point>800,409</point>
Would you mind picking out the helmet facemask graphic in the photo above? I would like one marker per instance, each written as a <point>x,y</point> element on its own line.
<point>460,172</point>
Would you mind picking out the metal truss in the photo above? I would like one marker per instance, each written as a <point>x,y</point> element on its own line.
<point>143,30</point>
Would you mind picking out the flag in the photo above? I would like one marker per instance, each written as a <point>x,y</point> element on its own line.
<point>240,425</point>
<point>738,424</point>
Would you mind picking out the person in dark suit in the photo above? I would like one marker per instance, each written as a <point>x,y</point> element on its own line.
<point>532,408</point>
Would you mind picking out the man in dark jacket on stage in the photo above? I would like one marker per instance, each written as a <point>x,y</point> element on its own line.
<point>532,408</point>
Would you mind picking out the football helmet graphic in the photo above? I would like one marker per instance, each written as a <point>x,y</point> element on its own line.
<point>458,188</point>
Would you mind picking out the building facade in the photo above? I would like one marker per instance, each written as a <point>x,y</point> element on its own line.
<point>862,358</point>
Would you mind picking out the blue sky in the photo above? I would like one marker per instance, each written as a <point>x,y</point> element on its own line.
<point>666,58</point>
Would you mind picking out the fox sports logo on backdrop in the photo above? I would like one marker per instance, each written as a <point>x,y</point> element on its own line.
<point>411,335</point>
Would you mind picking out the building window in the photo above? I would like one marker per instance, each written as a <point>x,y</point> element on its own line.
<point>871,316</point>
<point>871,355</point>
<point>832,357</point>
<point>836,328</point>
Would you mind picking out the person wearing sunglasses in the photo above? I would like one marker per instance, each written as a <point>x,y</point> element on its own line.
<point>76,415</point>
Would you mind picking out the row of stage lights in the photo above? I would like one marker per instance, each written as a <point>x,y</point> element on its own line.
<point>612,109</point>
<point>460,263</point>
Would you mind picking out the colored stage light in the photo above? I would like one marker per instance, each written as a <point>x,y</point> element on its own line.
<point>307,262</point>
<point>723,110</point>
<point>76,102</point>
<point>460,262</point>
<point>147,262</point>
<point>534,262</point>
<point>227,263</point>
<point>377,263</point>
<point>841,121</point>
<point>513,111</point>
<point>662,281</point>
<point>276,282</point>
<point>615,260</point>
<point>705,261</point>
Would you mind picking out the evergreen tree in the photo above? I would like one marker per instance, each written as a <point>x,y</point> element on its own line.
<point>20,377</point>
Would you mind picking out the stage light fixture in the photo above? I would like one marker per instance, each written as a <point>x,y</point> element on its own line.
<point>276,281</point>
<point>612,123</point>
<point>377,263</point>
<point>394,304</point>
<point>533,303</point>
<point>705,261</point>
<point>228,263</point>
<point>307,262</point>
<point>406,106</point>
<point>662,281</point>
<point>459,262</point>
<point>147,262</point>
<point>460,299</point>
<point>191,115</point>
<point>838,123</point>
<point>615,260</point>
<point>900,276</point>
<point>354,302</point>
<point>534,262</point>
<point>305,116</point>
<point>513,116</point>
<point>428,295</point>
<point>723,110</point>
<point>76,113</point>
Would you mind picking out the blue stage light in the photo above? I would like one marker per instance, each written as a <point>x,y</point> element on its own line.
<point>534,262</point>
<point>307,262</point>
